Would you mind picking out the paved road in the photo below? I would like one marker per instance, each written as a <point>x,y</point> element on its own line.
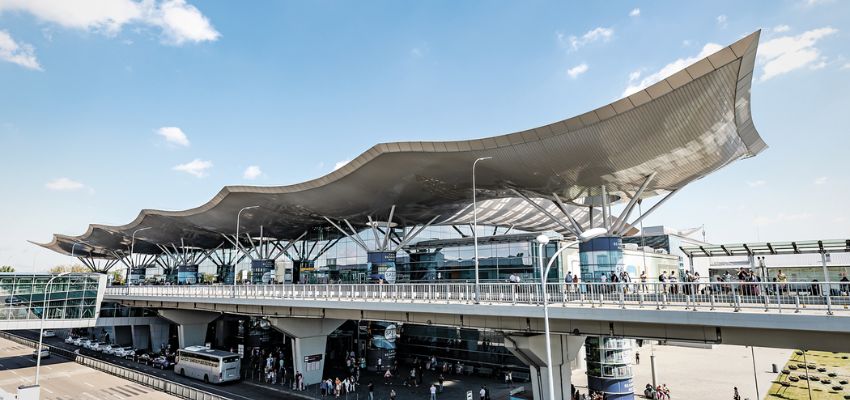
<point>252,390</point>
<point>66,380</point>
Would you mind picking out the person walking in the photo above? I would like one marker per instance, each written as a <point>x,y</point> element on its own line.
<point>371,389</point>
<point>736,395</point>
<point>441,379</point>
<point>482,393</point>
<point>637,358</point>
<point>433,391</point>
<point>392,394</point>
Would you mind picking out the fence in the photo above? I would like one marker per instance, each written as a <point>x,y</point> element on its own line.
<point>698,296</point>
<point>172,388</point>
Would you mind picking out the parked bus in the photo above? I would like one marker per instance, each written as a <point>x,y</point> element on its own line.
<point>209,365</point>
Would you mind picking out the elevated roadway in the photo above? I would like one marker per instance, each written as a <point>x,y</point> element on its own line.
<point>749,314</point>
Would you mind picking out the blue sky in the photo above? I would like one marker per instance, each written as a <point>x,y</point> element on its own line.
<point>108,107</point>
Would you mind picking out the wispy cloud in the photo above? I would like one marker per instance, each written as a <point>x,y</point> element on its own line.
<point>252,172</point>
<point>174,135</point>
<point>635,83</point>
<point>17,53</point>
<point>758,183</point>
<point>64,184</point>
<point>781,28</point>
<point>635,12</point>
<point>574,72</point>
<point>197,167</point>
<point>722,21</point>
<point>573,42</point>
<point>179,21</point>
<point>784,54</point>
<point>846,66</point>
<point>820,180</point>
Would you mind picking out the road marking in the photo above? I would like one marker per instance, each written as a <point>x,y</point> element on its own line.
<point>89,384</point>
<point>47,390</point>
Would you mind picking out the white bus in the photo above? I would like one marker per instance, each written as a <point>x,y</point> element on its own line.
<point>209,365</point>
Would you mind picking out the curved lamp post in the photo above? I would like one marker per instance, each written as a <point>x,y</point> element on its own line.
<point>239,247</point>
<point>542,240</point>
<point>475,225</point>
<point>44,311</point>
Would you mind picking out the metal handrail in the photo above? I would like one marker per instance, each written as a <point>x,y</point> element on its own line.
<point>696,296</point>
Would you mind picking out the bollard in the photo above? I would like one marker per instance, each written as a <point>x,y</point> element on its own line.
<point>828,305</point>
<point>737,303</point>
<point>640,300</point>
<point>687,302</point>
<point>766,303</point>
<point>622,301</point>
<point>711,299</point>
<point>664,300</point>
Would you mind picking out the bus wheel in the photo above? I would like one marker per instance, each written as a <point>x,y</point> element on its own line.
<point>182,372</point>
<point>206,378</point>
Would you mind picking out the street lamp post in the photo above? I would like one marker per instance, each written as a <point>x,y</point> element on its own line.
<point>133,247</point>
<point>44,310</point>
<point>542,240</point>
<point>475,225</point>
<point>238,247</point>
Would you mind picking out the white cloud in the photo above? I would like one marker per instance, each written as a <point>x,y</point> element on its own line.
<point>183,22</point>
<point>819,65</point>
<point>669,69</point>
<point>781,28</point>
<point>252,172</point>
<point>820,180</point>
<point>686,43</point>
<point>196,167</point>
<point>635,12</point>
<point>722,21</point>
<point>573,43</point>
<point>17,53</point>
<point>845,66</point>
<point>64,184</point>
<point>180,22</point>
<point>173,134</point>
<point>787,53</point>
<point>757,183</point>
<point>816,2</point>
<point>340,164</point>
<point>574,72</point>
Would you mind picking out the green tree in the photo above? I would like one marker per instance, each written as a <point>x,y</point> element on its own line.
<point>7,268</point>
<point>68,268</point>
<point>117,278</point>
<point>207,277</point>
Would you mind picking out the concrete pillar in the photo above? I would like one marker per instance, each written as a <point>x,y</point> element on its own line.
<point>309,339</point>
<point>191,325</point>
<point>532,351</point>
<point>141,336</point>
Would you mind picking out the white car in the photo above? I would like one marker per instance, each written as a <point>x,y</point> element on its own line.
<point>128,352</point>
<point>70,339</point>
<point>81,342</point>
<point>118,351</point>
<point>97,346</point>
<point>48,333</point>
<point>108,349</point>
<point>45,352</point>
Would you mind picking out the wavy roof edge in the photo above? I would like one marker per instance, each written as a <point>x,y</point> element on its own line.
<point>744,49</point>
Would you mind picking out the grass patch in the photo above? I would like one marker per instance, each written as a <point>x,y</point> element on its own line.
<point>829,379</point>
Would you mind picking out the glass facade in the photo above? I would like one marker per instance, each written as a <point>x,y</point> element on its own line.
<point>609,366</point>
<point>601,256</point>
<point>26,297</point>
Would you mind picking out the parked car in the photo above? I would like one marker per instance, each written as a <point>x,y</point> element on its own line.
<point>98,346</point>
<point>123,351</point>
<point>93,345</point>
<point>109,349</point>
<point>162,362</point>
<point>45,352</point>
<point>48,333</point>
<point>70,339</point>
<point>81,342</point>
<point>143,358</point>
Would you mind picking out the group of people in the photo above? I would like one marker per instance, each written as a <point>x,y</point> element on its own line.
<point>337,387</point>
<point>659,392</point>
<point>272,364</point>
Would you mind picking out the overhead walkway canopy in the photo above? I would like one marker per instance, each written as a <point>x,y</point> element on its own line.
<point>769,248</point>
<point>652,142</point>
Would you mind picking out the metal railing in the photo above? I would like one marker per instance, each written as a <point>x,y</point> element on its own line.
<point>163,385</point>
<point>697,296</point>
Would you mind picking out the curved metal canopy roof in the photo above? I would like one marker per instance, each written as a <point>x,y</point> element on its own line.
<point>681,128</point>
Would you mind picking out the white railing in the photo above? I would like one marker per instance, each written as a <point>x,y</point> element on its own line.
<point>697,296</point>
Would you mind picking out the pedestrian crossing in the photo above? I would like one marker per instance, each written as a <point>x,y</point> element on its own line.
<point>113,393</point>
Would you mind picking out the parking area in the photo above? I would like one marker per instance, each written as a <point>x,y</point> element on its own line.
<point>249,389</point>
<point>65,380</point>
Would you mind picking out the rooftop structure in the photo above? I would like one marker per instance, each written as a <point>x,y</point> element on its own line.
<point>652,142</point>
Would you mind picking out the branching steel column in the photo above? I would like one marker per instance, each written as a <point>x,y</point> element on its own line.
<point>544,211</point>
<point>624,215</point>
